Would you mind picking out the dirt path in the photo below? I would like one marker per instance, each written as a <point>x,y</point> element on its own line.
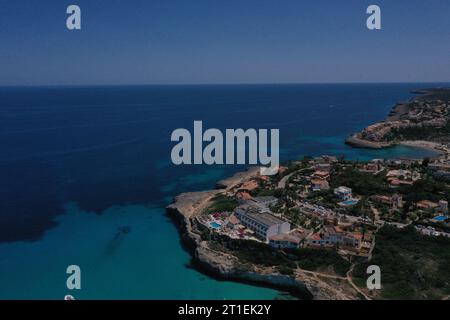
<point>350,280</point>
<point>347,278</point>
<point>324,275</point>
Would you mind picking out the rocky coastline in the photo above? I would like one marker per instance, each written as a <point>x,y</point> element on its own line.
<point>356,141</point>
<point>303,284</point>
<point>416,113</point>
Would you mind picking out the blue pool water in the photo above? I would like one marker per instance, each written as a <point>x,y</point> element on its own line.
<point>440,218</point>
<point>79,163</point>
<point>215,225</point>
<point>349,202</point>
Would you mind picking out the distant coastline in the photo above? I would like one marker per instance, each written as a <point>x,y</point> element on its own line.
<point>416,114</point>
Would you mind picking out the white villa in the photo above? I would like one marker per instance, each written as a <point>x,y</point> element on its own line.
<point>343,193</point>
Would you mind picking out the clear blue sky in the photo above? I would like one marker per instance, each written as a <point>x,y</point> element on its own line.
<point>223,41</point>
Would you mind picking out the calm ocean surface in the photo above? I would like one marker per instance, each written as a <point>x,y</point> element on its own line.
<point>77,163</point>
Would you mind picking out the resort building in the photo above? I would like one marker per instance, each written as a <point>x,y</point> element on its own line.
<point>264,224</point>
<point>262,203</point>
<point>268,201</point>
<point>284,241</point>
<point>343,193</point>
<point>232,222</point>
<point>316,239</point>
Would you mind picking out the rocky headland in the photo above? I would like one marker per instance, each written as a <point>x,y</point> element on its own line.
<point>304,284</point>
<point>422,122</point>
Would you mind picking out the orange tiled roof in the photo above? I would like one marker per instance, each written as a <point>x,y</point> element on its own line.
<point>319,182</point>
<point>427,204</point>
<point>249,185</point>
<point>234,220</point>
<point>338,229</point>
<point>315,236</point>
<point>357,235</point>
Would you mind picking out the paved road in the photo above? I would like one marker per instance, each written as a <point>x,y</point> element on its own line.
<point>282,182</point>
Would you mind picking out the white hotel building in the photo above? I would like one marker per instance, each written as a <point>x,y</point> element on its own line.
<point>265,225</point>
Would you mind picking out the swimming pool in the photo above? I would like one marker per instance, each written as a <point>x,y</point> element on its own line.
<point>349,202</point>
<point>440,218</point>
<point>215,225</point>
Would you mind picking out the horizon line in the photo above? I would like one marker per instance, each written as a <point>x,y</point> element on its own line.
<point>220,84</point>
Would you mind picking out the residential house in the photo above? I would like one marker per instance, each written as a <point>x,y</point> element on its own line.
<point>343,193</point>
<point>373,167</point>
<point>427,205</point>
<point>321,175</point>
<point>249,186</point>
<point>332,236</point>
<point>319,185</point>
<point>394,202</point>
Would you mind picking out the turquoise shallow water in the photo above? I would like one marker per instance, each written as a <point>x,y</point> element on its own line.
<point>335,146</point>
<point>147,263</point>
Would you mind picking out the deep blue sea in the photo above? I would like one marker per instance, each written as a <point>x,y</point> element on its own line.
<point>77,163</point>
